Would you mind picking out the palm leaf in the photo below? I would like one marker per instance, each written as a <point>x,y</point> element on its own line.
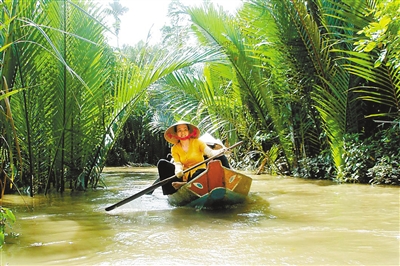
<point>59,109</point>
<point>132,82</point>
<point>215,28</point>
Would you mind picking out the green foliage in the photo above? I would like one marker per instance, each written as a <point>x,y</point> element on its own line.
<point>358,156</point>
<point>375,58</point>
<point>136,143</point>
<point>386,171</point>
<point>386,143</point>
<point>374,159</point>
<point>233,95</point>
<point>381,35</point>
<point>283,109</point>
<point>319,167</point>
<point>78,93</point>
<point>10,153</point>
<point>63,102</point>
<point>7,218</point>
<point>295,79</point>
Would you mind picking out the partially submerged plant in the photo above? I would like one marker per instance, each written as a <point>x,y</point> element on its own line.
<point>6,218</point>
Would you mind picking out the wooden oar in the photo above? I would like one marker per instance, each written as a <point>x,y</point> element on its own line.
<point>165,181</point>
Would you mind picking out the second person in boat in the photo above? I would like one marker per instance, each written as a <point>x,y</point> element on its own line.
<point>187,151</point>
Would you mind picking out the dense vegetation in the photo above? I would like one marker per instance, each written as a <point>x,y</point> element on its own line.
<point>313,87</point>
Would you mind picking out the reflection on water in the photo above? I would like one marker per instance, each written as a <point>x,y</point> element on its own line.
<point>284,221</point>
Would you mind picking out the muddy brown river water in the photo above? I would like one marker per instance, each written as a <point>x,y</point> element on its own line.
<point>285,221</point>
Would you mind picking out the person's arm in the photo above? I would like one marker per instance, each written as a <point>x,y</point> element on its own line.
<point>211,153</point>
<point>206,150</point>
<point>177,162</point>
<point>178,169</point>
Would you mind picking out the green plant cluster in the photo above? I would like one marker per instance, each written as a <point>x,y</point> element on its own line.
<point>7,218</point>
<point>373,159</point>
<point>386,168</point>
<point>137,144</point>
<point>319,167</point>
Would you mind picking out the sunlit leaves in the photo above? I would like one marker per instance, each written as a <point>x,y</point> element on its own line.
<point>7,218</point>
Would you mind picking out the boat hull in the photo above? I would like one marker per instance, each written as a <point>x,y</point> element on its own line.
<point>216,187</point>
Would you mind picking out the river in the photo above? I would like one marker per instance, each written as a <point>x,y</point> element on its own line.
<point>285,221</point>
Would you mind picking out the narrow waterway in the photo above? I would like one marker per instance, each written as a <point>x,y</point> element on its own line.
<point>286,221</point>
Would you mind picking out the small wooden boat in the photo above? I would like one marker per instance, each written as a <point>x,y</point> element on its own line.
<point>217,186</point>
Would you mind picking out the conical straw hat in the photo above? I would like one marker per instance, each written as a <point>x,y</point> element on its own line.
<point>170,133</point>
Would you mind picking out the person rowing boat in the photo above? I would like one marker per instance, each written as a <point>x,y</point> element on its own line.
<point>187,151</point>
